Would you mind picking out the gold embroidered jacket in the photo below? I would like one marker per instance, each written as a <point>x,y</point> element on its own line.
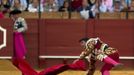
<point>96,48</point>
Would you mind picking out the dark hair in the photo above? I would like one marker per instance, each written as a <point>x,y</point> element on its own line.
<point>6,6</point>
<point>117,2</point>
<point>84,39</point>
<point>14,12</point>
<point>90,3</point>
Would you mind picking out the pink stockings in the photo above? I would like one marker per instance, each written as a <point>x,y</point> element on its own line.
<point>110,61</point>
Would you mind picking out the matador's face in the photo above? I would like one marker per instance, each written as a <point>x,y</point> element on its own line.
<point>82,43</point>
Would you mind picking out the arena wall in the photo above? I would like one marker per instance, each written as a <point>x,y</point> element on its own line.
<point>59,37</point>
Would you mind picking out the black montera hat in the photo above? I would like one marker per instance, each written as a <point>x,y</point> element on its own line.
<point>6,6</point>
<point>84,39</point>
<point>14,12</point>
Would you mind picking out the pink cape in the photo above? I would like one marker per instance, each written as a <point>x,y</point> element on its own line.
<point>19,53</point>
<point>19,46</point>
<point>26,69</point>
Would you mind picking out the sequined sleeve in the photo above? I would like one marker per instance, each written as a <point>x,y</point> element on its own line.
<point>84,54</point>
<point>88,49</point>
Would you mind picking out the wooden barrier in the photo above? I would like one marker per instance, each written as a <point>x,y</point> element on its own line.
<point>51,15</point>
<point>131,15</point>
<point>7,68</point>
<point>123,15</point>
<point>65,15</point>
<point>109,15</point>
<point>76,15</point>
<point>30,15</point>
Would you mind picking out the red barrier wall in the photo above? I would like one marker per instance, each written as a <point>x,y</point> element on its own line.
<point>8,50</point>
<point>30,38</point>
<point>60,37</point>
<point>117,33</point>
<point>32,41</point>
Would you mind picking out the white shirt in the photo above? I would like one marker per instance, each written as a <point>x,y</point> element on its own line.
<point>31,8</point>
<point>23,4</point>
<point>21,21</point>
<point>84,14</point>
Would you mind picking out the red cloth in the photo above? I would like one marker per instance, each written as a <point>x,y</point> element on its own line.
<point>24,67</point>
<point>1,15</point>
<point>79,65</point>
<point>54,70</point>
<point>19,45</point>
